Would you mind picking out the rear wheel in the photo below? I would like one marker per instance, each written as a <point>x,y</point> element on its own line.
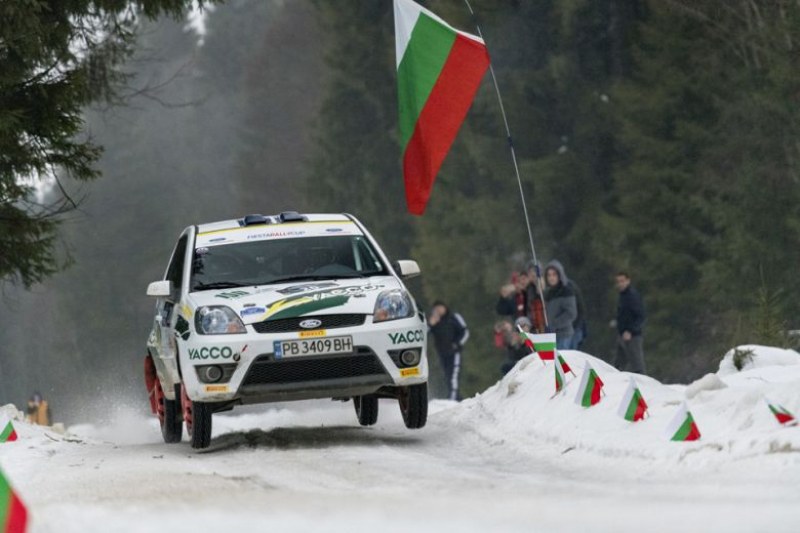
<point>197,416</point>
<point>366,409</point>
<point>414,405</point>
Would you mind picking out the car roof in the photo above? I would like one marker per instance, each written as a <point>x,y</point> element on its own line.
<point>270,220</point>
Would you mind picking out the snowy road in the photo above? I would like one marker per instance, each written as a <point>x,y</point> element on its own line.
<point>310,467</point>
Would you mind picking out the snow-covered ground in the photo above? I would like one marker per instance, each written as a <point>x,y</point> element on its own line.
<point>510,459</point>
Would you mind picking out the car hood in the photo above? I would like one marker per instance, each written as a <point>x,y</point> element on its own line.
<point>288,300</point>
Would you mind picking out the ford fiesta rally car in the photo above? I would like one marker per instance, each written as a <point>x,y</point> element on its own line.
<point>278,308</point>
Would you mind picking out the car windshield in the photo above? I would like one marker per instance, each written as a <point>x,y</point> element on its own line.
<point>280,260</point>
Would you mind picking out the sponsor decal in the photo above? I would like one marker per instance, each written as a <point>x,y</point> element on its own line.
<point>232,295</point>
<point>404,337</point>
<point>308,334</point>
<point>187,311</point>
<point>214,352</point>
<point>334,230</point>
<point>182,328</point>
<point>303,304</point>
<point>218,239</point>
<point>270,234</point>
<point>253,311</point>
<point>216,388</point>
<point>408,372</point>
<point>295,289</point>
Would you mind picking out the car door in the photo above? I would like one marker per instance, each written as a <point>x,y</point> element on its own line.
<point>166,307</point>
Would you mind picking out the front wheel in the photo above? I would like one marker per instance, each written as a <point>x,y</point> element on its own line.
<point>197,416</point>
<point>169,415</point>
<point>414,405</point>
<point>366,409</point>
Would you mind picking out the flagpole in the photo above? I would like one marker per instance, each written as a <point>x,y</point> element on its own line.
<point>516,165</point>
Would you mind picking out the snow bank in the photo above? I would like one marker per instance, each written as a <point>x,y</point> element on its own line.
<point>730,412</point>
<point>752,356</point>
<point>11,412</point>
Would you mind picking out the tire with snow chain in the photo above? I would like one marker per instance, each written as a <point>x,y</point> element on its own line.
<point>366,409</point>
<point>199,425</point>
<point>169,414</point>
<point>413,402</point>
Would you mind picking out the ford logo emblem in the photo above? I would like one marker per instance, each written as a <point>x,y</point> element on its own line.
<point>310,323</point>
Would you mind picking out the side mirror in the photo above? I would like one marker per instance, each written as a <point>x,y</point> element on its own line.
<point>160,289</point>
<point>408,269</point>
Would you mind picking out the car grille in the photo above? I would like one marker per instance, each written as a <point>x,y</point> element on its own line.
<point>286,325</point>
<point>265,370</point>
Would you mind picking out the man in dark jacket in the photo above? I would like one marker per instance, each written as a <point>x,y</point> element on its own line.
<point>562,306</point>
<point>449,335</point>
<point>630,325</point>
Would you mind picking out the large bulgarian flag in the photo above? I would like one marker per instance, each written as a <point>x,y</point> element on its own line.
<point>683,427</point>
<point>591,388</point>
<point>439,70</point>
<point>782,415</point>
<point>7,433</point>
<point>544,344</point>
<point>633,407</point>
<point>13,515</point>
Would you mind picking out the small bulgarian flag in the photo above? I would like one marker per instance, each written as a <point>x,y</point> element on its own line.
<point>7,433</point>
<point>544,344</point>
<point>683,427</point>
<point>783,416</point>
<point>633,407</point>
<point>13,515</point>
<point>564,366</point>
<point>561,378</point>
<point>590,389</point>
<point>527,338</point>
<point>439,70</point>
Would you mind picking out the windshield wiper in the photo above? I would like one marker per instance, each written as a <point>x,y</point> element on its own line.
<point>218,285</point>
<point>312,277</point>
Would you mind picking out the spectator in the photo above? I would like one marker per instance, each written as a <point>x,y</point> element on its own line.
<point>513,297</point>
<point>562,307</point>
<point>630,325</point>
<point>579,325</point>
<point>38,411</point>
<point>515,345</point>
<point>535,301</point>
<point>449,335</point>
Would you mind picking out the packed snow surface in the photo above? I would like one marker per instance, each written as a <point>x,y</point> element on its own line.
<point>515,458</point>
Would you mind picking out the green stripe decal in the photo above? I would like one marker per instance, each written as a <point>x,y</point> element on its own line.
<point>422,62</point>
<point>544,346</point>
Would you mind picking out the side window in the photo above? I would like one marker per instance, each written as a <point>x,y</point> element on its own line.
<point>175,269</point>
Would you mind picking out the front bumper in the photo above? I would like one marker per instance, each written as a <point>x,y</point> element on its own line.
<point>259,375</point>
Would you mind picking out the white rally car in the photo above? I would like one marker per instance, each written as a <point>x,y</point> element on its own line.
<point>276,308</point>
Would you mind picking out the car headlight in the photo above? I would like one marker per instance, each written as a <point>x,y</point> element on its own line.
<point>217,320</point>
<point>393,305</point>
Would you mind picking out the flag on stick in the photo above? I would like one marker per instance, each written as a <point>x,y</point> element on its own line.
<point>561,378</point>
<point>590,389</point>
<point>683,427</point>
<point>529,343</point>
<point>564,366</point>
<point>784,417</point>
<point>13,515</point>
<point>7,433</point>
<point>633,407</point>
<point>439,70</point>
<point>544,344</point>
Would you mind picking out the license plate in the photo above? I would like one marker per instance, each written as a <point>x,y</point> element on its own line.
<point>323,346</point>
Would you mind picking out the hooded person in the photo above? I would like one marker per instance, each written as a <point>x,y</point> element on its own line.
<point>562,305</point>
